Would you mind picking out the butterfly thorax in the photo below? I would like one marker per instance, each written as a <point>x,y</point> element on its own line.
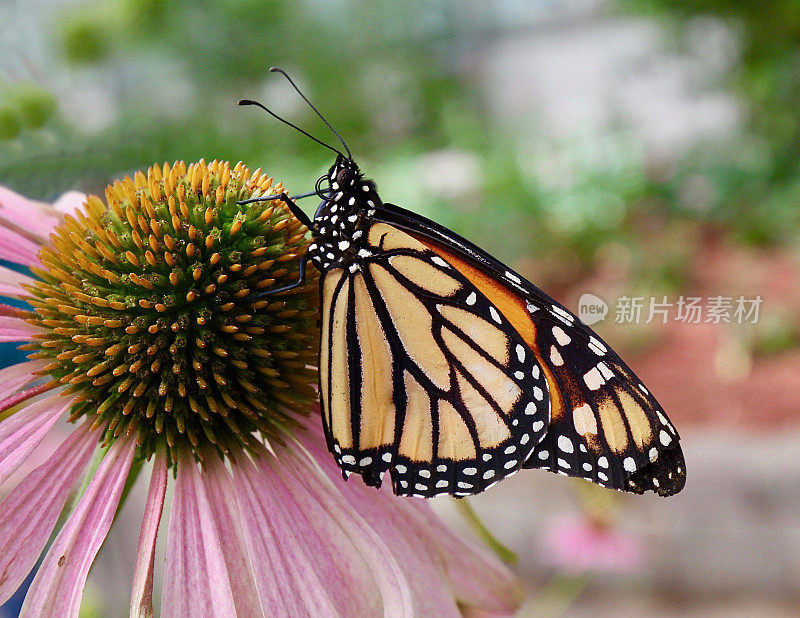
<point>342,216</point>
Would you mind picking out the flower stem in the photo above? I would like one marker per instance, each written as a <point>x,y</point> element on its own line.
<point>555,597</point>
<point>471,517</point>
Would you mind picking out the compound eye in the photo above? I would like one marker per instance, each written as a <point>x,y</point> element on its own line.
<point>343,177</point>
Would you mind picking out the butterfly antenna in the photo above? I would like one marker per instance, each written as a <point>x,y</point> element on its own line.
<point>311,105</point>
<point>294,126</point>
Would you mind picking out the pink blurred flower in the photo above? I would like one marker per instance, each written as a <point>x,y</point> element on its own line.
<point>577,544</point>
<point>271,531</point>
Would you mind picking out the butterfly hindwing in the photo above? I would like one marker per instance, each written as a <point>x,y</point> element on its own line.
<point>604,425</point>
<point>421,375</point>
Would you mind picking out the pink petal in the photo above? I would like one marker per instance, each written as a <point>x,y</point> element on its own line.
<point>21,432</point>
<point>31,509</point>
<point>496,591</point>
<point>222,498</point>
<point>142,590</point>
<point>14,377</point>
<point>34,217</point>
<point>69,202</point>
<point>311,553</point>
<point>57,588</point>
<point>11,282</point>
<point>440,565</point>
<point>18,249</point>
<point>196,579</point>
<point>15,329</point>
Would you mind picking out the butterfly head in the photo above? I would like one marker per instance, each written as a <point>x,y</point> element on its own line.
<point>348,203</point>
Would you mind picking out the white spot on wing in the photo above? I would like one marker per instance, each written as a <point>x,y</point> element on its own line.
<point>562,337</point>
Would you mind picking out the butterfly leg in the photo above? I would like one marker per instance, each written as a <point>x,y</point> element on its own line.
<point>300,281</point>
<point>291,204</point>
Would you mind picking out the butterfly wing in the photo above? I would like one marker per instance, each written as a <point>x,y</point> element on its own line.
<point>604,425</point>
<point>421,375</point>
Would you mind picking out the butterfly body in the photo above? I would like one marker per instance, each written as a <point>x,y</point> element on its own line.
<point>448,370</point>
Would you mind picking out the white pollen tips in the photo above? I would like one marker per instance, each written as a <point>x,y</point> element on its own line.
<point>365,461</point>
<point>565,444</point>
<point>629,464</point>
<point>387,457</point>
<point>593,379</point>
<point>488,474</point>
<point>555,356</point>
<point>472,298</point>
<point>520,353</point>
<point>562,337</point>
<point>665,438</point>
<point>603,462</point>
<point>470,471</point>
<point>495,315</point>
<point>344,245</point>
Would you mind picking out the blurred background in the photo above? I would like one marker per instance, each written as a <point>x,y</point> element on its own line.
<point>626,149</point>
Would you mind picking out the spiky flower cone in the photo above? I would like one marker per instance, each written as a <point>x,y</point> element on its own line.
<point>146,311</point>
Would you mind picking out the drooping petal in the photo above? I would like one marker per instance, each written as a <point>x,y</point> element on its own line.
<point>302,536</point>
<point>11,282</point>
<point>24,430</point>
<point>34,217</point>
<point>15,329</point>
<point>17,248</point>
<point>142,590</point>
<point>57,588</point>
<point>222,498</point>
<point>497,591</point>
<point>69,202</point>
<point>30,511</point>
<point>440,565</point>
<point>196,579</point>
<point>14,377</point>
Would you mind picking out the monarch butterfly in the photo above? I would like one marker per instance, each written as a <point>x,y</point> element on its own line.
<point>447,369</point>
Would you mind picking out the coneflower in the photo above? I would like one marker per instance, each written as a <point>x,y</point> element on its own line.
<point>143,333</point>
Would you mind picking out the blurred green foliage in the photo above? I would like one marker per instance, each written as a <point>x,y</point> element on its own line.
<point>757,177</point>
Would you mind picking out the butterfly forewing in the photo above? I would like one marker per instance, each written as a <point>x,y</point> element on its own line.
<point>604,425</point>
<point>422,375</point>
